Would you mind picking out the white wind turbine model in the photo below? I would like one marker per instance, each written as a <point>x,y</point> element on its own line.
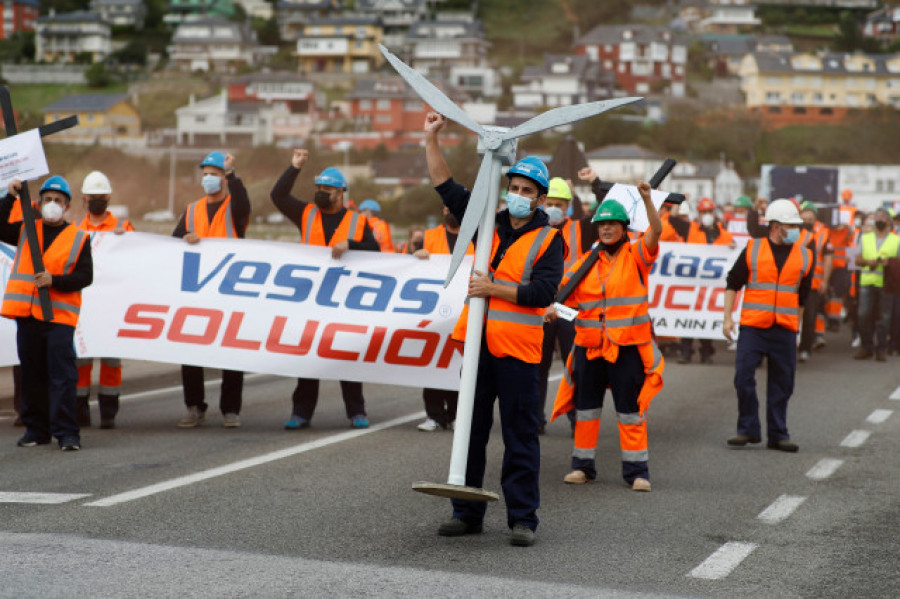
<point>498,144</point>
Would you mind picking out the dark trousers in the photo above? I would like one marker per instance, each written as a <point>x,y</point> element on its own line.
<point>875,308</point>
<point>49,378</point>
<point>895,325</point>
<point>561,332</point>
<point>779,345</point>
<point>194,391</point>
<point>440,405</point>
<point>306,396</point>
<point>17,388</point>
<point>808,326</point>
<point>624,377</point>
<point>516,384</point>
<point>706,348</point>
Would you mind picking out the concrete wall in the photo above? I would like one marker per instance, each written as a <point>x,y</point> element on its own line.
<point>51,73</point>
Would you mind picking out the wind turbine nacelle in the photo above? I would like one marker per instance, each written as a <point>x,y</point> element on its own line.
<point>504,150</point>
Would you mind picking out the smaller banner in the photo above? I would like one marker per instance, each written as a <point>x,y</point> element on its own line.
<point>22,157</point>
<point>630,198</point>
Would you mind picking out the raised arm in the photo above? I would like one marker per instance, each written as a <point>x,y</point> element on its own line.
<point>437,165</point>
<point>651,237</point>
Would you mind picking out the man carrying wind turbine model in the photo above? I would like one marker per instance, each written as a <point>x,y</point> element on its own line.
<point>525,269</point>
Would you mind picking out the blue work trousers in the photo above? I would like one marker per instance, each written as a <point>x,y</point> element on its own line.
<point>49,378</point>
<point>779,346</point>
<point>516,384</point>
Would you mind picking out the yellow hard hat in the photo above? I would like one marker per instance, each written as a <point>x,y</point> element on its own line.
<point>559,189</point>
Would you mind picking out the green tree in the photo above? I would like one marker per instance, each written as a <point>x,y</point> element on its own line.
<point>134,52</point>
<point>97,75</point>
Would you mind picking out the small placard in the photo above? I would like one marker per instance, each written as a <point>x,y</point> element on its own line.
<point>565,312</point>
<point>22,157</point>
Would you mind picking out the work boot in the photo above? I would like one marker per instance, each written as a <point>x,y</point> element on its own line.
<point>863,354</point>
<point>521,536</point>
<point>575,477</point>
<point>641,484</point>
<point>454,527</point>
<point>783,445</point>
<point>741,440</point>
<point>193,418</point>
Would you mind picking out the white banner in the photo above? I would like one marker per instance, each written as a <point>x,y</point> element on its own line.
<point>687,290</point>
<point>630,198</point>
<point>8,353</point>
<point>277,308</point>
<point>22,157</point>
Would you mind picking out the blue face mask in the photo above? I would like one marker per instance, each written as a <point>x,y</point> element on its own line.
<point>519,206</point>
<point>211,184</point>
<point>791,235</point>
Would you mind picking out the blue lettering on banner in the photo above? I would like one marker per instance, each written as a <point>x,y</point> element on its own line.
<point>689,267</point>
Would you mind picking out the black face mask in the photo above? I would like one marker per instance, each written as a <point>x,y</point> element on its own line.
<point>451,221</point>
<point>322,199</point>
<point>807,226</point>
<point>97,207</point>
<point>614,247</point>
<point>880,225</point>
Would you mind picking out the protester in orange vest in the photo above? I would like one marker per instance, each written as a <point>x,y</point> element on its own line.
<point>96,194</point>
<point>815,237</point>
<point>526,265</point>
<point>613,344</point>
<point>415,240</point>
<point>440,404</point>
<point>224,212</point>
<point>325,222</point>
<point>371,209</point>
<point>777,272</point>
<point>46,345</point>
<point>736,224</point>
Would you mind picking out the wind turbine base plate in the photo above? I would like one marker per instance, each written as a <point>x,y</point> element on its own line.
<point>454,491</point>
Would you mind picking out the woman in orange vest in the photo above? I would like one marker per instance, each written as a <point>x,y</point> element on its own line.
<point>223,212</point>
<point>325,222</point>
<point>614,344</point>
<point>777,272</point>
<point>46,345</point>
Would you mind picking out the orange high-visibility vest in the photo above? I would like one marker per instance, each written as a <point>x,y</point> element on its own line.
<point>110,223</point>
<point>382,232</point>
<point>21,298</point>
<point>352,227</point>
<point>840,238</point>
<point>668,233</point>
<point>773,297</point>
<point>511,329</point>
<point>571,232</point>
<point>614,306</point>
<point>436,242</point>
<point>696,235</point>
<point>196,219</point>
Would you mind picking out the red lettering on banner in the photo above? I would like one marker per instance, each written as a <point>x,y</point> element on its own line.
<point>430,338</point>
<point>698,305</point>
<point>670,299</point>
<point>328,334</point>
<point>230,339</point>
<point>154,326</point>
<point>213,322</point>
<point>451,347</point>
<point>375,344</point>
<point>274,345</point>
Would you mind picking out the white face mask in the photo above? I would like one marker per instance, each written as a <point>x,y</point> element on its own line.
<point>707,220</point>
<point>555,214</point>
<point>211,184</point>
<point>51,211</point>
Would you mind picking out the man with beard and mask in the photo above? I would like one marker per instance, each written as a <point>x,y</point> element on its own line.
<point>46,345</point>
<point>777,272</point>
<point>325,222</point>
<point>96,193</point>
<point>815,237</point>
<point>223,212</point>
<point>440,404</point>
<point>613,343</point>
<point>526,265</point>
<point>875,305</point>
<point>707,230</point>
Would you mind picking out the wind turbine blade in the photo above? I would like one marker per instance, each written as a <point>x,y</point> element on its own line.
<point>431,94</point>
<point>474,213</point>
<point>565,115</point>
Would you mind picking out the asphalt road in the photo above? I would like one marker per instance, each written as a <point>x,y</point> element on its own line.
<point>148,509</point>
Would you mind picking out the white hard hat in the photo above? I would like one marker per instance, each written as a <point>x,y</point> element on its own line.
<point>784,212</point>
<point>96,183</point>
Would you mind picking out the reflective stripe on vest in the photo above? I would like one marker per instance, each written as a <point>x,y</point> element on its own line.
<point>572,235</point>
<point>874,276</point>
<point>351,229</point>
<point>197,221</point>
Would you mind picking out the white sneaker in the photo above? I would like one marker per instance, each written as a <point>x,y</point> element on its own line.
<point>803,356</point>
<point>429,426</point>
<point>856,342</point>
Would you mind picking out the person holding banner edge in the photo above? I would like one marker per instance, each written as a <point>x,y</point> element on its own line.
<point>526,266</point>
<point>324,222</point>
<point>46,345</point>
<point>224,212</point>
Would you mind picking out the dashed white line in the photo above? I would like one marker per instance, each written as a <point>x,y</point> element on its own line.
<point>781,508</point>
<point>895,394</point>
<point>43,498</point>
<point>824,468</point>
<point>183,481</point>
<point>879,416</point>
<point>721,563</point>
<point>856,438</point>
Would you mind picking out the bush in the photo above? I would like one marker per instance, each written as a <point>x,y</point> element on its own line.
<point>97,75</point>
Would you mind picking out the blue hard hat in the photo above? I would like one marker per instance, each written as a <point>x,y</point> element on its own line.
<point>370,204</point>
<point>332,177</point>
<point>57,183</point>
<point>216,159</point>
<point>532,168</point>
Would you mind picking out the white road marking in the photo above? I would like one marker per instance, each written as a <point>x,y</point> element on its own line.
<point>895,394</point>
<point>855,438</point>
<point>879,416</point>
<point>163,390</point>
<point>781,508</point>
<point>825,468</point>
<point>721,563</point>
<point>44,498</point>
<point>183,481</point>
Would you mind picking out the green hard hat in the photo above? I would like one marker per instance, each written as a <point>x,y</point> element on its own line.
<point>743,202</point>
<point>611,210</point>
<point>807,205</point>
